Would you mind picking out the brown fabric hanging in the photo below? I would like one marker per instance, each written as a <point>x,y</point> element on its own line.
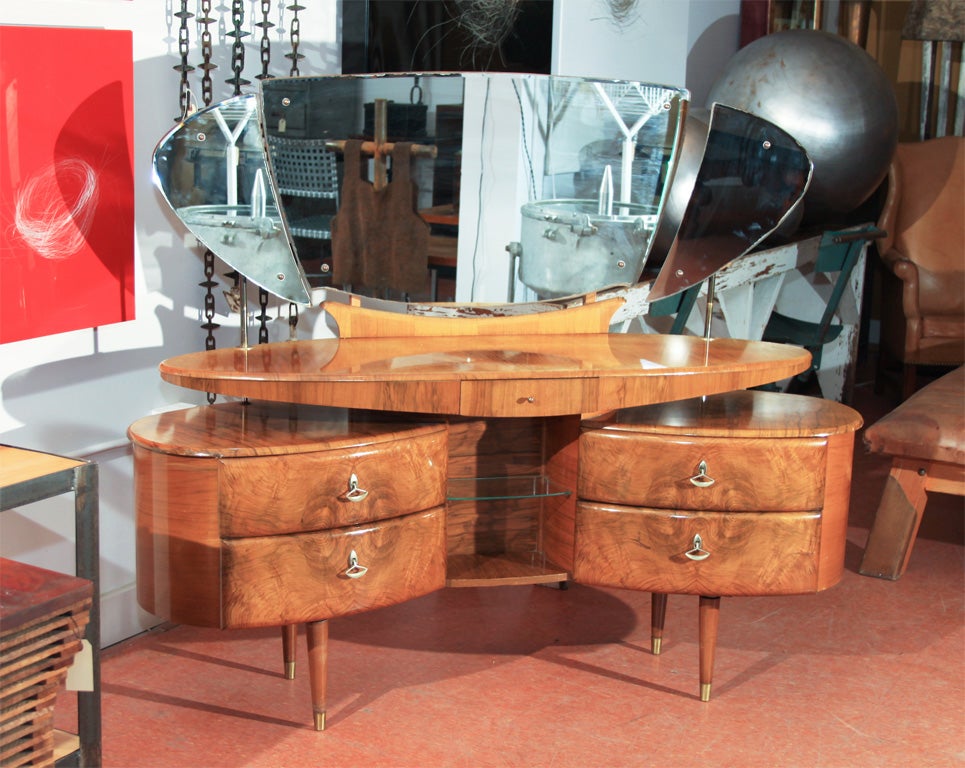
<point>379,242</point>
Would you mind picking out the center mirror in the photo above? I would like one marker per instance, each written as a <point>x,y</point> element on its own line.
<point>473,187</point>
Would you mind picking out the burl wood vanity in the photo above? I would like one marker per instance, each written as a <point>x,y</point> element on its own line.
<point>412,454</point>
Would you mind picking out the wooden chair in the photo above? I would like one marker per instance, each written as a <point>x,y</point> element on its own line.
<point>923,286</point>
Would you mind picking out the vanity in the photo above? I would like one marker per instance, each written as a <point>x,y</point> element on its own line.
<point>364,471</point>
<point>484,443</point>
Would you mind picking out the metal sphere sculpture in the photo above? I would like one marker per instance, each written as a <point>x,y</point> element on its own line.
<point>829,94</point>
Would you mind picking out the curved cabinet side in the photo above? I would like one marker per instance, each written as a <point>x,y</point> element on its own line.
<point>178,541</point>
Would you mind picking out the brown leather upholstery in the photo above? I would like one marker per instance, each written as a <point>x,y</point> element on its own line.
<point>930,425</point>
<point>923,308</point>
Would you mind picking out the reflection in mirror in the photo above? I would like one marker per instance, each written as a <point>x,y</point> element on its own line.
<point>751,178</point>
<point>514,187</point>
<point>562,182</point>
<point>379,218</point>
<point>568,174</point>
<point>608,155</point>
<point>212,171</point>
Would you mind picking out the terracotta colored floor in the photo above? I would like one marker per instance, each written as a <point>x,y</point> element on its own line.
<point>868,673</point>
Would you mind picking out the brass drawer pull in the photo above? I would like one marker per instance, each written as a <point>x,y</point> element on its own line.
<point>355,493</point>
<point>702,479</point>
<point>355,571</point>
<point>698,552</point>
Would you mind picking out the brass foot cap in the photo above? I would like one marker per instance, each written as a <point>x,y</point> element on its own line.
<point>289,670</point>
<point>655,643</point>
<point>319,721</point>
<point>705,691</point>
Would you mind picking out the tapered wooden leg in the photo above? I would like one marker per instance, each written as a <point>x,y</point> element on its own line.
<point>658,612</point>
<point>708,619</point>
<point>288,635</point>
<point>317,632</point>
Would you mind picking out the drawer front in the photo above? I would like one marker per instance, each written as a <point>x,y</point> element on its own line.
<point>749,553</point>
<point>276,580</point>
<point>766,475</point>
<point>271,495</point>
<point>521,397</point>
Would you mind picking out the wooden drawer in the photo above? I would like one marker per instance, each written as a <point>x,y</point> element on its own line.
<point>520,397</point>
<point>296,493</point>
<point>762,474</point>
<point>275,580</point>
<point>750,553</point>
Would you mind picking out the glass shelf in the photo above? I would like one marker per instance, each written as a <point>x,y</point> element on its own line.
<point>514,487</point>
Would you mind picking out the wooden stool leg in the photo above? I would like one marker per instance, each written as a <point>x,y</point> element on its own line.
<point>288,634</point>
<point>317,632</point>
<point>708,619</point>
<point>896,522</point>
<point>658,612</point>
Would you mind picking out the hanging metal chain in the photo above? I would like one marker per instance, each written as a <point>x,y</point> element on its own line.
<point>265,44</point>
<point>263,317</point>
<point>209,285</point>
<point>295,36</point>
<point>238,46</point>
<point>265,53</point>
<point>184,90</point>
<point>207,94</point>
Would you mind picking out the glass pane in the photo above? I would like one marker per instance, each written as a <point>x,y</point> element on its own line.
<point>518,487</point>
<point>751,177</point>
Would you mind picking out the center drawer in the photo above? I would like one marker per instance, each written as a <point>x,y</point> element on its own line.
<point>749,553</point>
<point>706,473</point>
<point>293,579</point>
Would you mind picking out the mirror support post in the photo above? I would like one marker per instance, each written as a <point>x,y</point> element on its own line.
<point>243,312</point>
<point>709,314</point>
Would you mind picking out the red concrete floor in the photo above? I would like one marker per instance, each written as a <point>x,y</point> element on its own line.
<point>868,673</point>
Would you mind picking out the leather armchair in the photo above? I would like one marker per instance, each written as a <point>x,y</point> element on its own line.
<point>923,252</point>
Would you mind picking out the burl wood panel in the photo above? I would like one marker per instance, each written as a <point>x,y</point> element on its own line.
<point>292,494</point>
<point>751,553</point>
<point>655,470</point>
<point>273,580</point>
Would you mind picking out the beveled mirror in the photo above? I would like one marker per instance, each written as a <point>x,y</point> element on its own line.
<point>572,171</point>
<point>526,187</point>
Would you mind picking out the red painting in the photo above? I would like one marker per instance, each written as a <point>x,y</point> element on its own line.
<point>66,180</point>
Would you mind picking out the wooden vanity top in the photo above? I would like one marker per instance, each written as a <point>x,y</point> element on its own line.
<point>736,414</point>
<point>488,376</point>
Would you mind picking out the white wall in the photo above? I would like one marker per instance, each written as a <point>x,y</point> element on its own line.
<point>76,393</point>
<point>669,42</point>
